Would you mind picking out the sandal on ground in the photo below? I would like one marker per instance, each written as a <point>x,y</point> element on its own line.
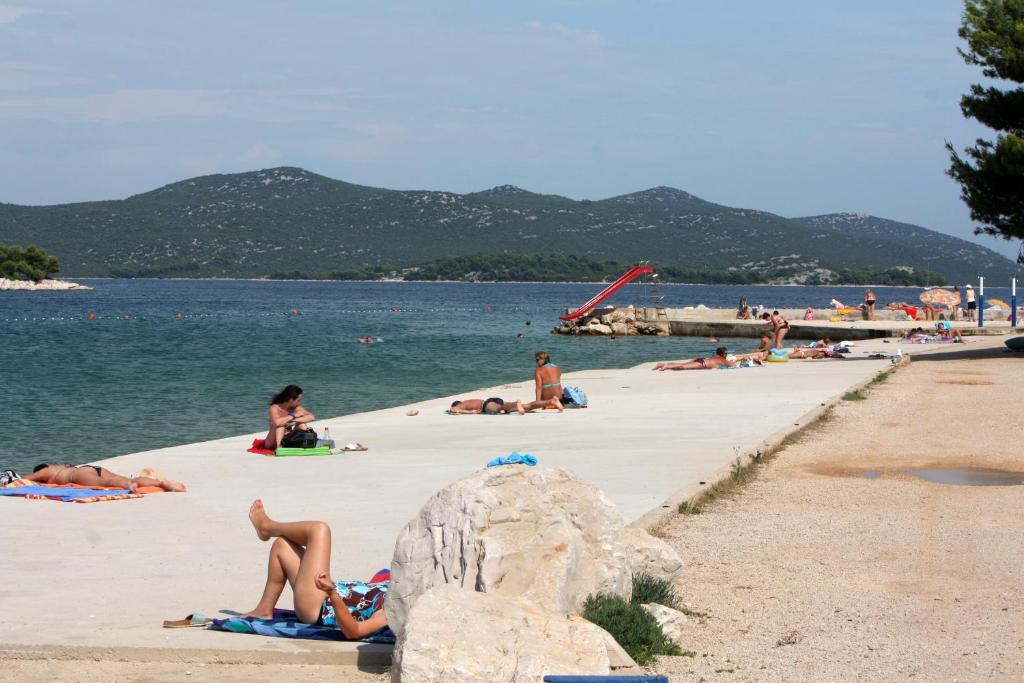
<point>354,447</point>
<point>189,621</point>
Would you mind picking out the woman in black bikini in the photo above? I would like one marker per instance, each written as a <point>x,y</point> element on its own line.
<point>869,302</point>
<point>780,327</point>
<point>286,415</point>
<point>94,475</point>
<point>720,359</point>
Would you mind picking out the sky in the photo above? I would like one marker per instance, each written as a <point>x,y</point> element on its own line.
<point>799,108</point>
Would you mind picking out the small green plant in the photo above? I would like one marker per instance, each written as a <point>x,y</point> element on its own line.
<point>688,508</point>
<point>881,377</point>
<point>854,396</point>
<point>647,588</point>
<point>631,625</point>
<point>739,473</point>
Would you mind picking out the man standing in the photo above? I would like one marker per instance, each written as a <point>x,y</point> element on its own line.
<point>972,303</point>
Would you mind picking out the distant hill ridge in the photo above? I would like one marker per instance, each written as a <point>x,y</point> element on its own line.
<point>288,219</point>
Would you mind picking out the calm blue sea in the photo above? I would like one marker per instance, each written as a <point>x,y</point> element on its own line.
<point>138,377</point>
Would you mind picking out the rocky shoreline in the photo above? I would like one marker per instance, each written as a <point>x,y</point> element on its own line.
<point>44,286</point>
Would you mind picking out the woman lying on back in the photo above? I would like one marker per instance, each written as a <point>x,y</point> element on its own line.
<point>301,555</point>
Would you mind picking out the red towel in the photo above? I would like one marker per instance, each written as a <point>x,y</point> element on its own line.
<point>258,449</point>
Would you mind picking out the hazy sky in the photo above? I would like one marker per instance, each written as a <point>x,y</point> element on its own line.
<point>799,107</point>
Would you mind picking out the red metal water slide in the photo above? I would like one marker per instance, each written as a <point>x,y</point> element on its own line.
<point>625,279</point>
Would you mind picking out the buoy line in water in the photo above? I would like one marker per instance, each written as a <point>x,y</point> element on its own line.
<point>91,316</point>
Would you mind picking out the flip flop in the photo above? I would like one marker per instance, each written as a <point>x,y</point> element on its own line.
<point>354,447</point>
<point>190,620</point>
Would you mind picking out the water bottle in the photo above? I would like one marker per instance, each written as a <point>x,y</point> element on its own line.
<point>327,440</point>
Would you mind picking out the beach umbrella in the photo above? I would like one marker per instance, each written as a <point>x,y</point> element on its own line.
<point>936,296</point>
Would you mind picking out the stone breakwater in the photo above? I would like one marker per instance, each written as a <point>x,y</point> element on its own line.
<point>701,321</point>
<point>44,286</point>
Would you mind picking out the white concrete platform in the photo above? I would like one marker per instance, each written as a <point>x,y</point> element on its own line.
<point>107,574</point>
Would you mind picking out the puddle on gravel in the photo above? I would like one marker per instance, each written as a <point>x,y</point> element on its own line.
<point>955,476</point>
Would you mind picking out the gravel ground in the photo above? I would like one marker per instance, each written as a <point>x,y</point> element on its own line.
<point>810,572</point>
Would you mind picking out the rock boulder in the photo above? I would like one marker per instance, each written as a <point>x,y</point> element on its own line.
<point>648,554</point>
<point>453,635</point>
<point>536,533</point>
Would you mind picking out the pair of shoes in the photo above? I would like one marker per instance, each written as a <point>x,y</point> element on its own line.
<point>354,447</point>
<point>8,476</point>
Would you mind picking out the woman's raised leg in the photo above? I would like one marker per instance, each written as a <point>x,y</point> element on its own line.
<point>282,565</point>
<point>315,538</point>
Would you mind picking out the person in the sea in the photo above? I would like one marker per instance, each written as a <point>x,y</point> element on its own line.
<point>301,556</point>
<point>547,380</point>
<point>720,359</point>
<point>94,475</point>
<point>285,415</point>
<point>488,406</point>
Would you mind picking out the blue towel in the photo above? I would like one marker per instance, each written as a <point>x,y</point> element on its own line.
<point>513,458</point>
<point>285,625</point>
<point>64,494</point>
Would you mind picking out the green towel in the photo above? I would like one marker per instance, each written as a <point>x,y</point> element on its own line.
<point>319,450</point>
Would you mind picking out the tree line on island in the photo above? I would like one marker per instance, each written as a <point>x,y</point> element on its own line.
<point>29,263</point>
<point>570,268</point>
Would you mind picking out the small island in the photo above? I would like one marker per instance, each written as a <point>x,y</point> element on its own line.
<point>29,268</point>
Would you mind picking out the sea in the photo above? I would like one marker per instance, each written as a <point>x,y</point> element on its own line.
<point>141,364</point>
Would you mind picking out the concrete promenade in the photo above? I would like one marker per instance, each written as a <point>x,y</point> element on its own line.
<point>105,575</point>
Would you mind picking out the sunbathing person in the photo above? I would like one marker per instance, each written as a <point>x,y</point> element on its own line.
<point>720,359</point>
<point>488,406</point>
<point>301,555</point>
<point>94,475</point>
<point>285,416</point>
<point>547,378</point>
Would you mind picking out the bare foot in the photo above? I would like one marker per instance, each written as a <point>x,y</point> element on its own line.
<point>558,404</point>
<point>133,486</point>
<point>175,486</point>
<point>658,366</point>
<point>258,517</point>
<point>519,408</point>
<point>260,613</point>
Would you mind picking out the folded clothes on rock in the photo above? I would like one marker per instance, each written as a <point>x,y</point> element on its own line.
<point>513,458</point>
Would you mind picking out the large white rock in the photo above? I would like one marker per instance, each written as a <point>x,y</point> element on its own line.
<point>671,621</point>
<point>648,554</point>
<point>598,329</point>
<point>539,533</point>
<point>620,328</point>
<point>453,635</point>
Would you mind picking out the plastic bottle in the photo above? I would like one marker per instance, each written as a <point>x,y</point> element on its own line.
<point>327,440</point>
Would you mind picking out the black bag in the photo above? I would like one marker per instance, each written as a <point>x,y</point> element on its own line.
<point>299,438</point>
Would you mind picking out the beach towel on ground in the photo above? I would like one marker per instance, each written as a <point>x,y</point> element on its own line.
<point>65,494</point>
<point>258,448</point>
<point>285,625</point>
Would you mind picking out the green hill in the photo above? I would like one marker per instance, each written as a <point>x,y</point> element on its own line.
<point>288,220</point>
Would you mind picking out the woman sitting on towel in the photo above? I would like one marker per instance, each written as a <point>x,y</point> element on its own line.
<point>301,555</point>
<point>94,475</point>
<point>547,379</point>
<point>286,415</point>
